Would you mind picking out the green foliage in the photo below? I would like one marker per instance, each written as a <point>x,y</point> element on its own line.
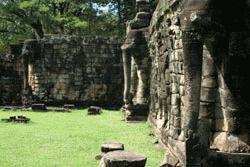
<point>151,44</point>
<point>70,139</point>
<point>22,19</point>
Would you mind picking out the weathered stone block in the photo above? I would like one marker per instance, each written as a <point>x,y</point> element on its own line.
<point>178,44</point>
<point>227,99</point>
<point>228,159</point>
<point>123,159</point>
<point>136,113</point>
<point>94,110</point>
<point>69,106</point>
<point>18,119</point>
<point>182,91</point>
<point>208,95</point>
<point>206,110</point>
<point>209,82</point>
<point>175,110</point>
<point>225,142</point>
<point>39,107</point>
<point>177,122</point>
<point>226,124</point>
<point>208,66</point>
<point>169,160</point>
<point>111,146</point>
<point>175,99</point>
<point>178,55</point>
<point>174,88</point>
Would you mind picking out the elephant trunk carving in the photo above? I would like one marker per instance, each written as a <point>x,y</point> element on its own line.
<point>197,53</point>
<point>192,27</point>
<point>192,21</point>
<point>127,76</point>
<point>193,49</point>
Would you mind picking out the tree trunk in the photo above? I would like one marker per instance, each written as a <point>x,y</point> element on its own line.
<point>38,28</point>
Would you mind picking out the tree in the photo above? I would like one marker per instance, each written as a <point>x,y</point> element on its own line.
<point>22,19</point>
<point>24,13</point>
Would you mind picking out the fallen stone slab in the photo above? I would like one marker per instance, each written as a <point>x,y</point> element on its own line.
<point>11,108</point>
<point>94,110</point>
<point>108,147</point>
<point>18,119</point>
<point>69,106</point>
<point>123,159</point>
<point>57,109</point>
<point>22,119</point>
<point>39,107</point>
<point>111,146</point>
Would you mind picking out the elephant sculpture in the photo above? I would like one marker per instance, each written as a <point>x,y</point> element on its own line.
<point>204,107</point>
<point>136,63</point>
<point>203,24</point>
<point>29,49</point>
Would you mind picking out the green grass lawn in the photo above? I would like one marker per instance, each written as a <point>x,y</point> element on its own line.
<point>70,139</point>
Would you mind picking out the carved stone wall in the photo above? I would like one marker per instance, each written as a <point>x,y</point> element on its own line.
<point>66,69</point>
<point>10,82</point>
<point>224,119</point>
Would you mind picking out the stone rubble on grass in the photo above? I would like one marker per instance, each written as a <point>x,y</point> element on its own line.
<point>69,106</point>
<point>113,155</point>
<point>108,147</point>
<point>123,159</point>
<point>11,108</point>
<point>57,109</point>
<point>94,110</point>
<point>39,107</point>
<point>18,119</point>
<point>111,146</point>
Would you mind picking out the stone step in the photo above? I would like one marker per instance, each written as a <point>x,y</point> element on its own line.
<point>111,146</point>
<point>123,159</point>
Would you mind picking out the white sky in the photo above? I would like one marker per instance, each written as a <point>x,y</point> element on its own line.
<point>102,8</point>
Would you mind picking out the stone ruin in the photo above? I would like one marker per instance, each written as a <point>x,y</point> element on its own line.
<point>123,159</point>
<point>186,69</point>
<point>17,119</point>
<point>136,64</point>
<point>199,92</point>
<point>10,82</point>
<point>94,110</point>
<point>109,146</point>
<point>113,155</point>
<point>60,69</point>
<point>38,107</point>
